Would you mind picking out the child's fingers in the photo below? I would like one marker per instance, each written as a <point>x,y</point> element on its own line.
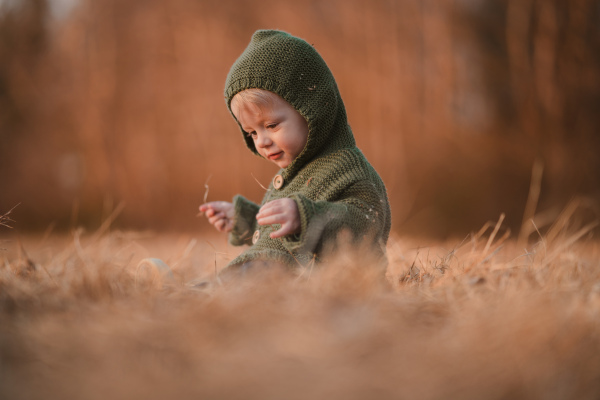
<point>206,207</point>
<point>271,219</point>
<point>215,218</point>
<point>224,225</point>
<point>219,214</point>
<point>286,229</point>
<point>215,205</point>
<point>289,225</point>
<point>207,210</point>
<point>271,208</point>
<point>278,233</point>
<point>220,225</point>
<point>268,209</point>
<point>283,212</point>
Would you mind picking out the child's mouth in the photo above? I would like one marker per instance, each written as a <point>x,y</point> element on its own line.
<point>275,156</point>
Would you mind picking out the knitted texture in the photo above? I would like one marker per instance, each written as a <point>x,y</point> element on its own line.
<point>331,181</point>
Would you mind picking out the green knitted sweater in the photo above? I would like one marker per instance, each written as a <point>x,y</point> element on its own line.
<point>331,181</point>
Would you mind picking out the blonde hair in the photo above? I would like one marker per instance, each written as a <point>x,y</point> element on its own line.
<point>257,97</point>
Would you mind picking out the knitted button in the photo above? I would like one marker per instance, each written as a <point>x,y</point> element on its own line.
<point>278,182</point>
<point>255,237</point>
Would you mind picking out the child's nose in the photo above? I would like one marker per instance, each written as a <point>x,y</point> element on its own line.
<point>263,140</point>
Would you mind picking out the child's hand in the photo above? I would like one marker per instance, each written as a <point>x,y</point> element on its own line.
<point>281,211</point>
<point>220,214</point>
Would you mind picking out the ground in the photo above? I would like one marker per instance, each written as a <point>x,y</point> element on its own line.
<point>486,316</point>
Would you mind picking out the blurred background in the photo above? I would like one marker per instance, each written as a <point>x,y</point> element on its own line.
<point>467,108</point>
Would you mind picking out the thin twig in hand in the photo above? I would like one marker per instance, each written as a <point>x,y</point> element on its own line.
<point>205,194</point>
<point>206,186</point>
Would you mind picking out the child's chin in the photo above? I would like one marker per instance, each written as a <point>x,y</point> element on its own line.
<point>281,163</point>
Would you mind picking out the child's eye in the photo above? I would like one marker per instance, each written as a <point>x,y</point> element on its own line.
<point>251,134</point>
<point>272,126</point>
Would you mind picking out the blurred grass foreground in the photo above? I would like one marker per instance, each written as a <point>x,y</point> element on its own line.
<point>467,108</point>
<point>84,317</point>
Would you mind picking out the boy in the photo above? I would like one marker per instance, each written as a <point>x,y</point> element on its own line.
<point>288,107</point>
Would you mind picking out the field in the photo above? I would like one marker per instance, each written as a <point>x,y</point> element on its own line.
<point>469,110</point>
<point>83,316</point>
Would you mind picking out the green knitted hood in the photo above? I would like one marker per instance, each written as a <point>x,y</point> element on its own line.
<point>290,67</point>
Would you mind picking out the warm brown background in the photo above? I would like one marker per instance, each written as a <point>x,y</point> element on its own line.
<point>452,102</point>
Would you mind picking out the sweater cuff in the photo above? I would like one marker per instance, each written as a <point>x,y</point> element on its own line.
<point>244,221</point>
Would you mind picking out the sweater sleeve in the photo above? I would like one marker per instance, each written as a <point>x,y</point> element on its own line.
<point>360,210</point>
<point>244,221</point>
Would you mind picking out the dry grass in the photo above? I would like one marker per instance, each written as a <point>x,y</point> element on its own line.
<point>478,318</point>
<point>5,219</point>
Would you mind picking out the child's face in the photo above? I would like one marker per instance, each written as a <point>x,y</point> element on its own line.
<point>278,130</point>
